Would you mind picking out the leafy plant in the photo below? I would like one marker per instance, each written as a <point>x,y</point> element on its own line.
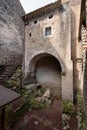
<point>34,104</point>
<point>14,116</point>
<point>14,82</point>
<point>68,108</point>
<point>82,119</point>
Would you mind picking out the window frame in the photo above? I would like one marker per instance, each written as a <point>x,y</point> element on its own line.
<point>48,31</point>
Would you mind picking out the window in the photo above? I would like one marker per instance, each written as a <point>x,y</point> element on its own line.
<point>35,22</point>
<point>47,31</point>
<point>30,34</point>
<point>51,16</point>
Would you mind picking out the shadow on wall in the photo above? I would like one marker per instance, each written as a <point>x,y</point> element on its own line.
<point>85,83</point>
<point>77,65</point>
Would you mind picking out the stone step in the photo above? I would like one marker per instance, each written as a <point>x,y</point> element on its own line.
<point>7,72</point>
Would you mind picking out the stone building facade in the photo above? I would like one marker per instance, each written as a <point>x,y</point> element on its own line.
<point>52,51</point>
<point>83,41</point>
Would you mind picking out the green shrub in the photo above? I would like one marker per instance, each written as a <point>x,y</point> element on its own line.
<point>34,104</point>
<point>82,119</point>
<point>68,108</point>
<point>14,116</point>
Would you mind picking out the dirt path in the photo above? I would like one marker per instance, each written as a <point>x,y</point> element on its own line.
<point>46,119</point>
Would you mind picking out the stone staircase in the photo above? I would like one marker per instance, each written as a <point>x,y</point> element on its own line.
<point>7,70</point>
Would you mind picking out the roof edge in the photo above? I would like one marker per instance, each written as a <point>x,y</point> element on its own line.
<point>42,10</point>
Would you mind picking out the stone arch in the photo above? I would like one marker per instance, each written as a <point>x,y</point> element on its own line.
<point>36,57</point>
<point>46,70</point>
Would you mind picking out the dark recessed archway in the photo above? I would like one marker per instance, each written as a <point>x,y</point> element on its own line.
<point>48,74</point>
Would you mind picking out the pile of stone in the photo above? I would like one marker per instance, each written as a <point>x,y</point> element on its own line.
<point>46,96</point>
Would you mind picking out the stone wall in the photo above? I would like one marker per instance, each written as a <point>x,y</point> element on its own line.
<point>58,44</point>
<point>76,46</point>
<point>11,31</point>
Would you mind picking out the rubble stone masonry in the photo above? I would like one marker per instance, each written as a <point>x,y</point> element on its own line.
<point>11,31</point>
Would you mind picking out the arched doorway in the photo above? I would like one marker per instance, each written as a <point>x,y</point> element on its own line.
<point>48,74</point>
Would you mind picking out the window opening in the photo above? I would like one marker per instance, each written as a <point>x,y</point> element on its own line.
<point>35,22</point>
<point>47,31</point>
<point>30,34</point>
<point>51,16</point>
